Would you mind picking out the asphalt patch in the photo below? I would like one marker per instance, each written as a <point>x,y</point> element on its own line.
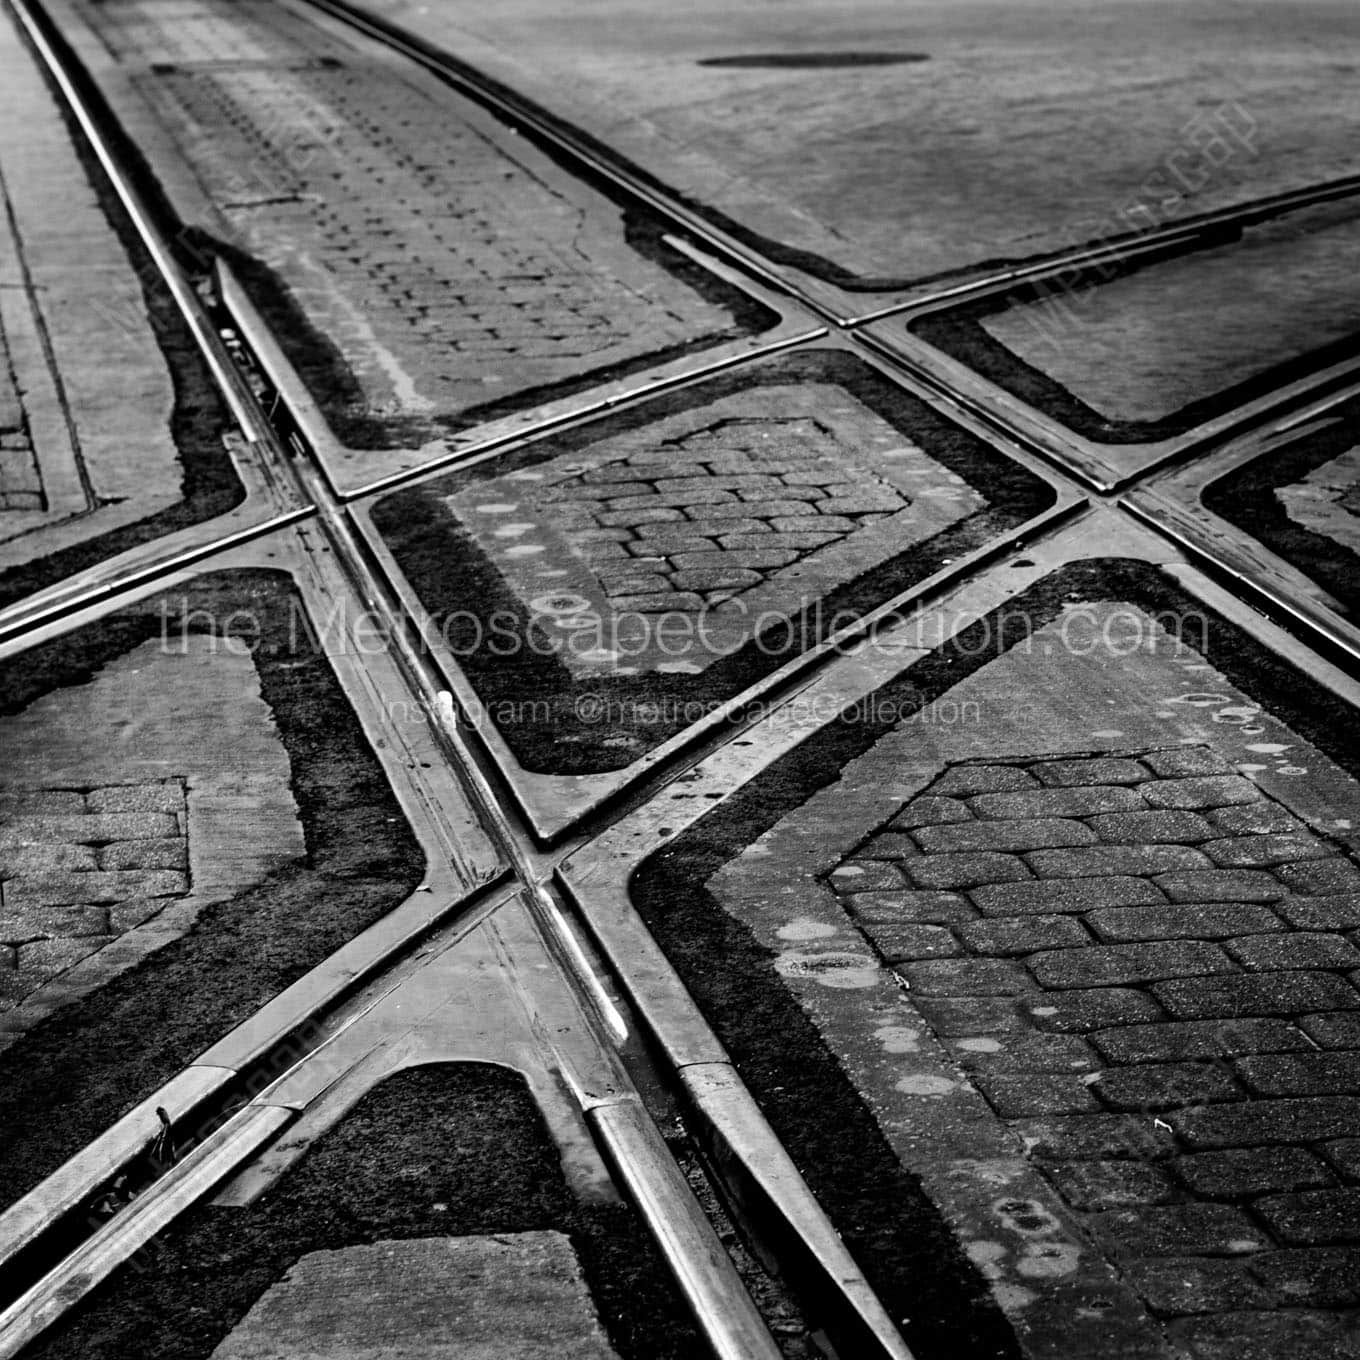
<point>550,729</point>
<point>1246,497</point>
<point>70,1077</point>
<point>895,1233</point>
<point>199,418</point>
<point>440,1151</point>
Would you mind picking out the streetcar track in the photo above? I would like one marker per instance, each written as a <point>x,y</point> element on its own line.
<point>703,1072</point>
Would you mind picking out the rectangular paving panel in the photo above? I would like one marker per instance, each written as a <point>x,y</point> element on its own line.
<point>605,589</point>
<point>175,848</point>
<point>475,1297</point>
<point>1147,349</point>
<point>425,267</point>
<point>1071,905</point>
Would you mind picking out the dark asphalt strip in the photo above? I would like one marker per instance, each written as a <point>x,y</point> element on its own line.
<point>440,1151</point>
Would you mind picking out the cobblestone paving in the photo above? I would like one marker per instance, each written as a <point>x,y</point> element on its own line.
<point>449,262</point>
<point>716,511</point>
<point>1146,937</point>
<point>20,483</point>
<point>78,868</point>
<point>729,507</point>
<point>1327,500</point>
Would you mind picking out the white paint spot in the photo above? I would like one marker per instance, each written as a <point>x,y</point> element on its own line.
<point>679,668</point>
<point>524,550</point>
<point>1027,1217</point>
<point>805,928</point>
<point>1043,1010</point>
<point>1107,734</point>
<point>511,531</point>
<point>898,1038</point>
<point>843,971</point>
<point>1164,713</point>
<point>1268,748</point>
<point>1292,770</point>
<point>1242,1246</point>
<point>598,654</point>
<point>1252,769</point>
<point>563,603</point>
<point>1343,824</point>
<point>497,508</point>
<point>1048,1261</point>
<point>1012,1297</point>
<point>925,1085</point>
<point>1199,699</point>
<point>848,871</point>
<point>995,1173</point>
<point>984,1252</point>
<point>1234,715</point>
<point>979,1045</point>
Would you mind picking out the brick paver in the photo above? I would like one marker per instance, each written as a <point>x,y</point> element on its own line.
<point>1217,1003</point>
<point>74,876</point>
<point>20,483</point>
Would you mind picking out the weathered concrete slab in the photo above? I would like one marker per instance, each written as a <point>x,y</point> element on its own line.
<point>1145,352</point>
<point>474,1298</point>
